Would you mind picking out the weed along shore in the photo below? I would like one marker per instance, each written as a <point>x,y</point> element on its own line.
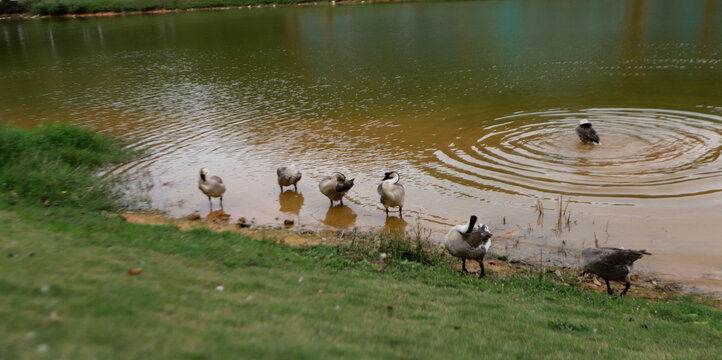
<point>84,277</point>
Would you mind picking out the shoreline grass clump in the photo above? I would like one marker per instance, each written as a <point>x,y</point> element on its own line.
<point>58,164</point>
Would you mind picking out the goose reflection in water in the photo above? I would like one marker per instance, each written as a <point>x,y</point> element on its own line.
<point>290,201</point>
<point>395,224</point>
<point>340,216</point>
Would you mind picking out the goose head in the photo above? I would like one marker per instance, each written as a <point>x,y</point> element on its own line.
<point>341,181</point>
<point>393,176</point>
<point>585,123</point>
<point>204,172</point>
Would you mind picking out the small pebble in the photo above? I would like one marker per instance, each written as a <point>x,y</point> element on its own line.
<point>45,289</point>
<point>383,256</point>
<point>249,298</point>
<point>300,280</point>
<point>42,349</point>
<point>220,288</point>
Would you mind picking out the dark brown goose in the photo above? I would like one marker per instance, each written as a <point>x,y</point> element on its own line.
<point>586,133</point>
<point>611,264</point>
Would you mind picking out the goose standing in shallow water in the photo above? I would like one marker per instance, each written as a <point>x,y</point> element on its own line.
<point>611,264</point>
<point>288,176</point>
<point>392,193</point>
<point>211,186</point>
<point>335,186</point>
<point>469,242</point>
<point>585,132</point>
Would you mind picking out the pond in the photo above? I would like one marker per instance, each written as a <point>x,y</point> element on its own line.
<point>474,104</point>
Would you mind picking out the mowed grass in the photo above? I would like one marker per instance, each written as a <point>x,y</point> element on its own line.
<point>65,291</point>
<point>341,308</point>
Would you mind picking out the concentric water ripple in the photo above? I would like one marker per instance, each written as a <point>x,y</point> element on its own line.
<point>644,153</point>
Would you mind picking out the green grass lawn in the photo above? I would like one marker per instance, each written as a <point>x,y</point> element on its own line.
<point>171,309</point>
<point>65,291</point>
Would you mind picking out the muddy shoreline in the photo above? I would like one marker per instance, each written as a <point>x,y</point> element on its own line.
<point>213,8</point>
<point>646,286</point>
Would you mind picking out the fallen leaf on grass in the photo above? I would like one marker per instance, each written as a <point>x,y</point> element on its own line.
<point>596,282</point>
<point>135,271</point>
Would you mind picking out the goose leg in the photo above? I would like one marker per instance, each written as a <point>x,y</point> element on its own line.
<point>626,287</point>
<point>210,204</point>
<point>481,266</point>
<point>463,265</point>
<point>295,188</point>
<point>341,202</point>
<point>221,202</point>
<point>281,186</point>
<point>331,202</point>
<point>387,212</point>
<point>609,288</point>
<point>400,208</point>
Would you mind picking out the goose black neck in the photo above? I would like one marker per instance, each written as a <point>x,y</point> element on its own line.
<point>203,177</point>
<point>472,222</point>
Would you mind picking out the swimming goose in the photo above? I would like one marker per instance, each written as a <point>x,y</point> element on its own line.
<point>586,133</point>
<point>611,264</point>
<point>211,186</point>
<point>469,242</point>
<point>335,186</point>
<point>288,176</point>
<point>392,193</point>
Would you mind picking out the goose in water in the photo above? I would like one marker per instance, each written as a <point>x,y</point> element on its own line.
<point>288,176</point>
<point>469,241</point>
<point>212,186</point>
<point>392,193</point>
<point>335,186</point>
<point>586,133</point>
<point>611,264</point>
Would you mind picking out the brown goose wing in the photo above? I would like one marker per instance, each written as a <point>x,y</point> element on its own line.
<point>474,238</point>
<point>216,178</point>
<point>614,256</point>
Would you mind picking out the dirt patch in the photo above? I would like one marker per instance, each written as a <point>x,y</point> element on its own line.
<point>219,221</point>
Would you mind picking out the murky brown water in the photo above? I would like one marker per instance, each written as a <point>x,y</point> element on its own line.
<point>473,103</point>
